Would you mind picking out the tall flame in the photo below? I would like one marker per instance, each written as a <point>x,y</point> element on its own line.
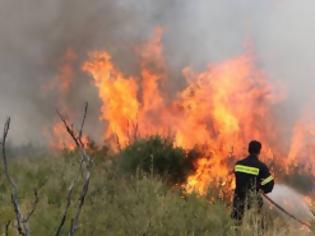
<point>302,146</point>
<point>221,109</point>
<point>218,112</point>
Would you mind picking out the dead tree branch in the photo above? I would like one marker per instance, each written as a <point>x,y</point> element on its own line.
<point>34,205</point>
<point>6,228</point>
<point>85,164</point>
<point>69,129</point>
<point>75,219</point>
<point>83,122</point>
<point>65,213</point>
<point>21,224</point>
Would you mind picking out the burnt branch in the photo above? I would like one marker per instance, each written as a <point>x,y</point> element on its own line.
<point>21,225</point>
<point>84,191</point>
<point>33,209</point>
<point>83,122</point>
<point>6,228</point>
<point>85,164</point>
<point>18,215</point>
<point>69,129</point>
<point>65,213</point>
<point>4,154</point>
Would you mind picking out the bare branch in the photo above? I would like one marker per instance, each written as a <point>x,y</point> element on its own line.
<point>19,218</point>
<point>65,213</point>
<point>85,164</point>
<point>4,154</point>
<point>34,205</point>
<point>22,226</point>
<point>69,128</point>
<point>6,229</point>
<point>83,121</point>
<point>75,219</point>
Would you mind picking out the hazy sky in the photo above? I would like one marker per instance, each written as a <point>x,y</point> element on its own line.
<point>36,33</point>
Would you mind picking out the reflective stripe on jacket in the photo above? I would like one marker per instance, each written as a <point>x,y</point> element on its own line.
<point>251,175</point>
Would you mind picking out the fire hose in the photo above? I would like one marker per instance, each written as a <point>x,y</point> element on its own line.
<point>286,212</point>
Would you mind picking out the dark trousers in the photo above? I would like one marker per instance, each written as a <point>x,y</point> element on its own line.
<point>242,203</point>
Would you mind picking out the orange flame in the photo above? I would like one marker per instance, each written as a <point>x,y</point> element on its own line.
<point>60,139</point>
<point>302,146</point>
<point>221,109</point>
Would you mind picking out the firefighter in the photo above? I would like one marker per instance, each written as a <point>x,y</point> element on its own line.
<point>252,177</point>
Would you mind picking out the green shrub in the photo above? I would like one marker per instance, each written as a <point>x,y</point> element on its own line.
<point>158,156</point>
<point>146,206</point>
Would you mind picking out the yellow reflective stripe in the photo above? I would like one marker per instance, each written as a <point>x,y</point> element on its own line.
<point>267,180</point>
<point>247,169</point>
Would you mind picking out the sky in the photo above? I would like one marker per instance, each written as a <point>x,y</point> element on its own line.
<point>35,34</point>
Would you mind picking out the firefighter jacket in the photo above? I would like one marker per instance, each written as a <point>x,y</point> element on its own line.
<point>251,175</point>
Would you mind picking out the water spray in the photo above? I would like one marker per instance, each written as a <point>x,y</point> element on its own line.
<point>275,198</point>
<point>280,208</point>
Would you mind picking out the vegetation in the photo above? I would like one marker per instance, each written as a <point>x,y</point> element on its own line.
<point>157,156</point>
<point>130,194</point>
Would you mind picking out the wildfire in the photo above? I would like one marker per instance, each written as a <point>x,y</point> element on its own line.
<point>57,135</point>
<point>60,140</point>
<point>303,141</point>
<point>221,109</point>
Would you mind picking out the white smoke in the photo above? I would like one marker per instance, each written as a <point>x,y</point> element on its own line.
<point>293,202</point>
<point>36,33</point>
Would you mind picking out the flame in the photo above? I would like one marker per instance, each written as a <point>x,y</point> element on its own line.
<point>302,145</point>
<point>118,94</point>
<point>218,112</point>
<point>221,109</point>
<point>60,139</point>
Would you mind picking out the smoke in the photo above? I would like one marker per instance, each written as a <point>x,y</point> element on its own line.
<point>293,202</point>
<point>35,35</point>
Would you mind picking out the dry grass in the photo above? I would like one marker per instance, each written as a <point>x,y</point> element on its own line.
<point>120,204</point>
